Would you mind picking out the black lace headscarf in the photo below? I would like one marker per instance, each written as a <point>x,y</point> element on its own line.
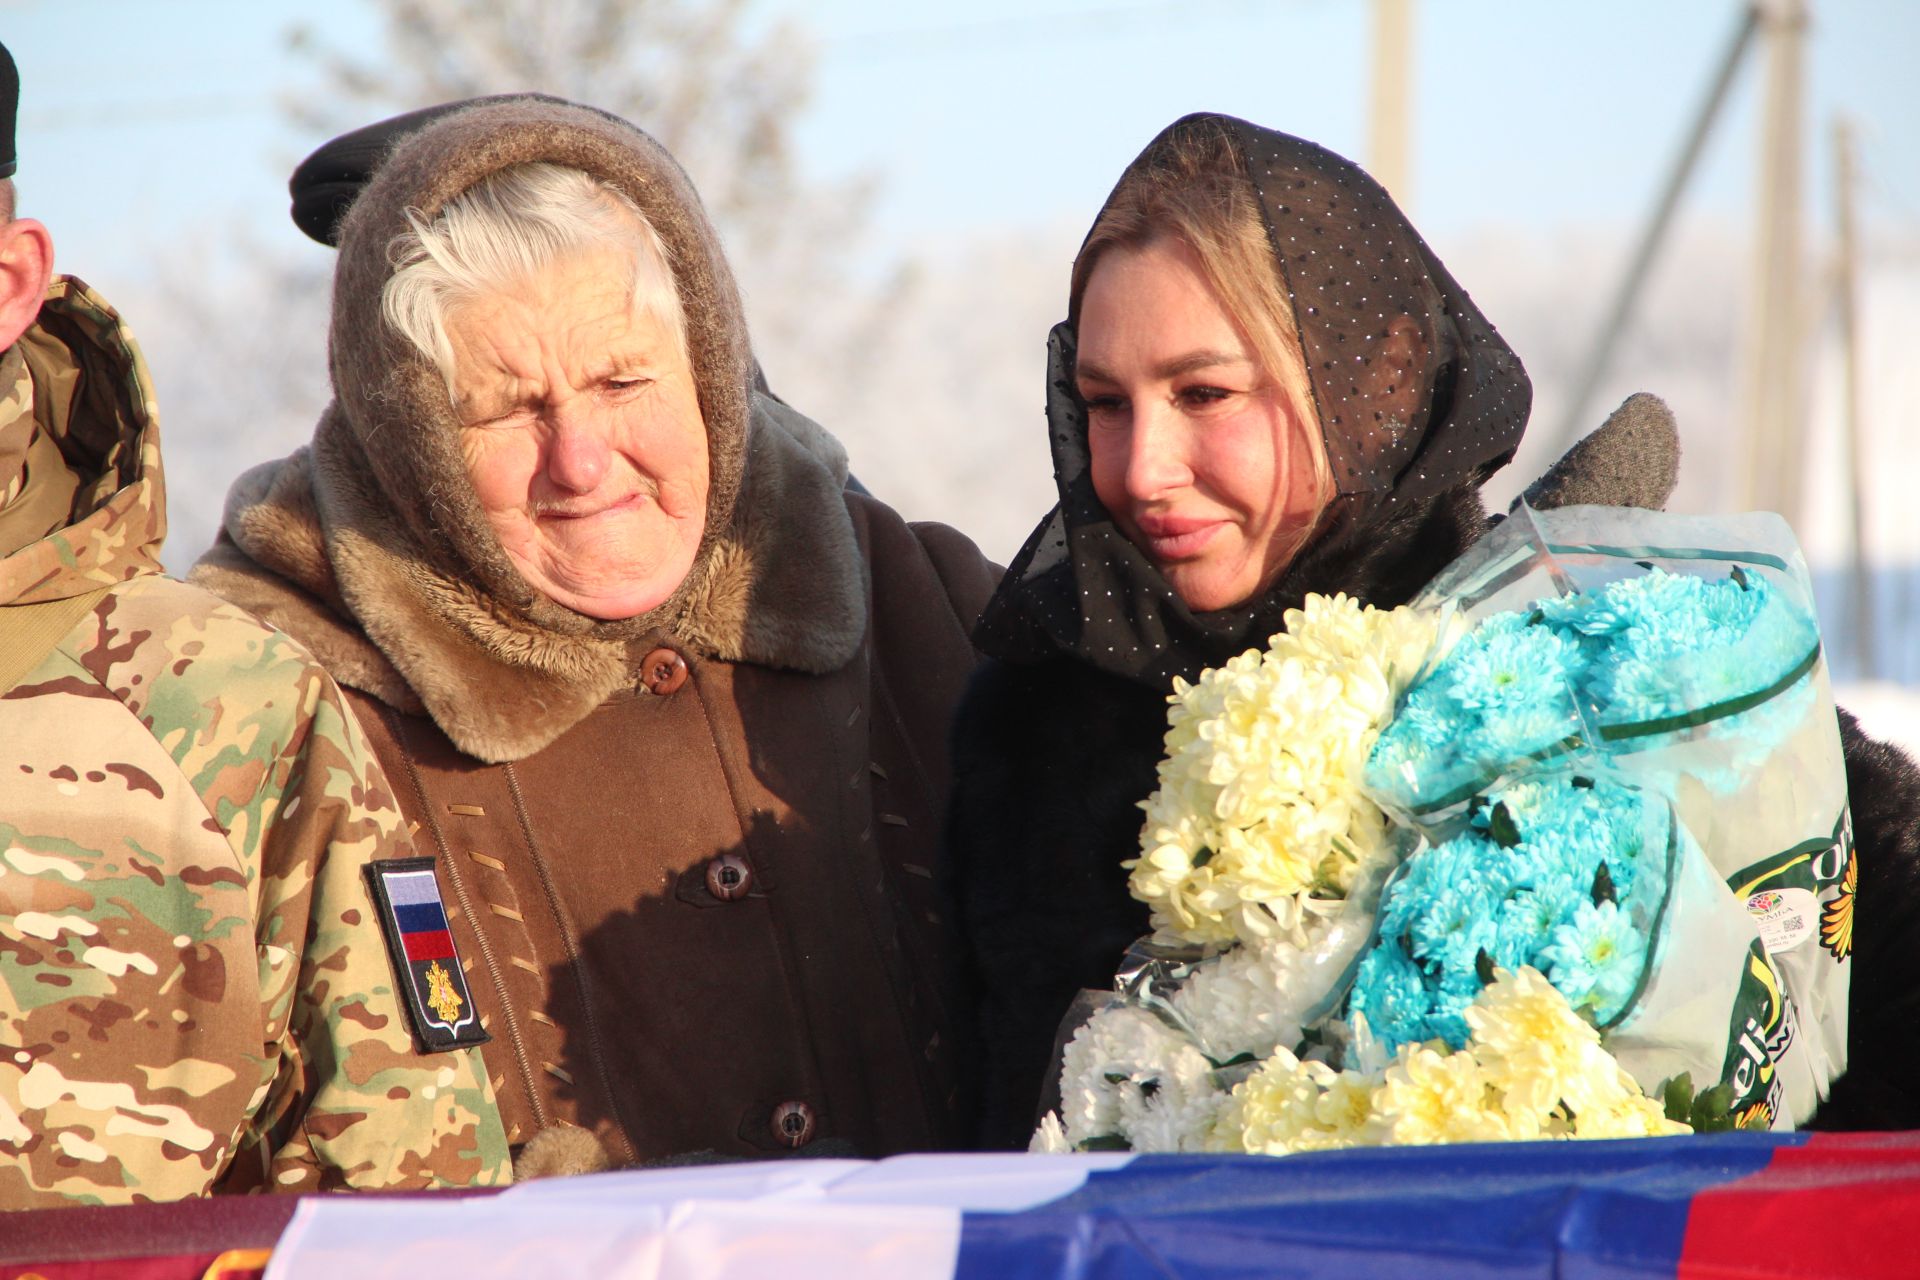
<point>1350,265</point>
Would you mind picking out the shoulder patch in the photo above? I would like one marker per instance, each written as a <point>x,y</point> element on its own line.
<point>411,915</point>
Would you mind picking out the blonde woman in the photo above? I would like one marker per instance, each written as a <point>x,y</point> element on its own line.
<point>1267,385</point>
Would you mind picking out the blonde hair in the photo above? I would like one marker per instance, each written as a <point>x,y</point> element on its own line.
<point>511,225</point>
<point>1194,188</point>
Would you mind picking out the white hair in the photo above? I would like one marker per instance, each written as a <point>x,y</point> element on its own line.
<point>510,226</point>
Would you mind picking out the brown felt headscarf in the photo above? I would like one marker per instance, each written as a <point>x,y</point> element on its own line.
<point>391,416</point>
<point>372,548</point>
<point>1354,270</point>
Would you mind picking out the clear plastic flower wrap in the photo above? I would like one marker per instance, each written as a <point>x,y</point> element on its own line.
<point>1681,654</point>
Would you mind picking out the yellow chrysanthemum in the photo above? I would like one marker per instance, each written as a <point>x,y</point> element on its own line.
<point>1259,809</point>
<point>1541,1055</point>
<point>1289,1105</point>
<point>1532,1069</point>
<point>1429,1097</point>
<point>1635,1116</point>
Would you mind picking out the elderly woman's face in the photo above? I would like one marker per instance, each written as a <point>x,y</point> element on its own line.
<point>582,433</point>
<point>1199,455</point>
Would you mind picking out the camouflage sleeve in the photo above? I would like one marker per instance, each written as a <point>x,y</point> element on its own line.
<point>288,776</point>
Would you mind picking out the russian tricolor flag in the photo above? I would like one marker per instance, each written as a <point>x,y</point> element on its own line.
<point>425,959</point>
<point>423,922</point>
<point>1702,1208</point>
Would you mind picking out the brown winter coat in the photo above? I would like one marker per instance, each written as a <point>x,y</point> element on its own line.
<point>689,856</point>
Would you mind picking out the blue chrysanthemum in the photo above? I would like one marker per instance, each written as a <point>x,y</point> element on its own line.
<point>1595,959</point>
<point>1392,992</point>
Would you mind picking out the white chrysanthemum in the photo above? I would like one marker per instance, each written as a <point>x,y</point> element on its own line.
<point>1177,1113</point>
<point>1121,1057</point>
<point>1050,1139</point>
<point>1252,999</point>
<point>1259,809</point>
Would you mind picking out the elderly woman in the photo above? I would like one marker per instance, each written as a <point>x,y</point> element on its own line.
<point>667,702</point>
<point>1266,386</point>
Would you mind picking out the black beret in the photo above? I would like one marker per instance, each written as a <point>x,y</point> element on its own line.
<point>325,184</point>
<point>9,111</point>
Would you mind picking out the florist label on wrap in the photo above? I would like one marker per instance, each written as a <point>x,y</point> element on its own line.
<point>1785,917</point>
<point>1805,891</point>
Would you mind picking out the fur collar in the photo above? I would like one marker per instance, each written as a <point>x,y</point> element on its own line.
<point>311,546</point>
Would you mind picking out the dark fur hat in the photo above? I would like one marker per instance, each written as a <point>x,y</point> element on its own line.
<point>9,111</point>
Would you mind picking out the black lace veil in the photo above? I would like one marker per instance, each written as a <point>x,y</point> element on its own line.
<point>1416,394</point>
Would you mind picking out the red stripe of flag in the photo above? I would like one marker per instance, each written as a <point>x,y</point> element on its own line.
<point>1842,1206</point>
<point>434,944</point>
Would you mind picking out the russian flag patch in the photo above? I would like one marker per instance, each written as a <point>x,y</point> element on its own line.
<point>415,922</point>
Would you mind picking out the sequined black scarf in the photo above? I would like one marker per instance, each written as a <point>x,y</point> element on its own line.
<point>1351,264</point>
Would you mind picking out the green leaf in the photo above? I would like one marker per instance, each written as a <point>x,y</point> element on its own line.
<point>1501,826</point>
<point>1713,1109</point>
<point>1203,857</point>
<point>1537,617</point>
<point>1579,781</point>
<point>1603,886</point>
<point>1739,575</point>
<point>1483,968</point>
<point>1149,1087</point>
<point>1677,1096</point>
<point>1237,1060</point>
<point>1115,1077</point>
<point>1103,1142</point>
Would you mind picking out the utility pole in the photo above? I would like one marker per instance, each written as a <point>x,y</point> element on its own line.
<point>1390,126</point>
<point>1775,444</point>
<point>1846,281</point>
<point>1576,420</point>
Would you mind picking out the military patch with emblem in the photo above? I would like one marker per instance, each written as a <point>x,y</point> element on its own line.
<point>415,922</point>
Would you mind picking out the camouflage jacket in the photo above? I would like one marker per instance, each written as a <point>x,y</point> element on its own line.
<point>194,993</point>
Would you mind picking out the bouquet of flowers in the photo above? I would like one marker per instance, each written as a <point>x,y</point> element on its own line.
<point>1445,873</point>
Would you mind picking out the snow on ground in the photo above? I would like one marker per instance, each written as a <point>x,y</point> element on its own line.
<point>1888,711</point>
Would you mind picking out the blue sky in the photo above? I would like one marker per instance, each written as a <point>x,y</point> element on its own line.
<point>145,124</point>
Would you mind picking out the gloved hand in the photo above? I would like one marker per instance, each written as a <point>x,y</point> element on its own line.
<point>1633,460</point>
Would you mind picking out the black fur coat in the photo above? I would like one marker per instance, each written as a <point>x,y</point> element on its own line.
<point>1881,1089</point>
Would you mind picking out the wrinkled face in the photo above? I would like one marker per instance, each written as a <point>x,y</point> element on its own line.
<point>1200,456</point>
<point>582,434</point>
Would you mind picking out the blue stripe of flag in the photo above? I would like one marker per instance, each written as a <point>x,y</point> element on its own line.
<point>1593,1210</point>
<point>420,917</point>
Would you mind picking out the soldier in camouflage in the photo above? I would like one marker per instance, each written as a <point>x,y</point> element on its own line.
<point>194,993</point>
